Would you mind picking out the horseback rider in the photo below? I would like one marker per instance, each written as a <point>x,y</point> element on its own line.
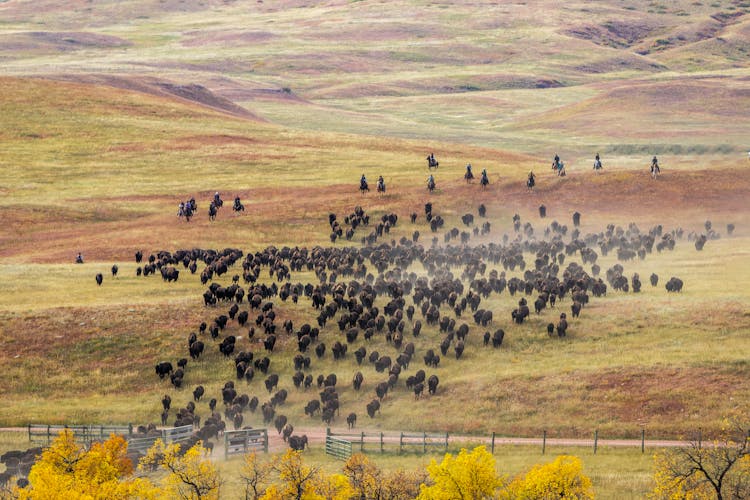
<point>597,162</point>
<point>556,162</point>
<point>181,209</point>
<point>363,181</point>
<point>531,180</point>
<point>430,181</point>
<point>468,170</point>
<point>381,183</point>
<point>237,204</point>
<point>655,165</point>
<point>79,258</point>
<point>484,180</point>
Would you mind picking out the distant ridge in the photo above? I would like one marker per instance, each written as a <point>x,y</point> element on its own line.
<point>193,93</point>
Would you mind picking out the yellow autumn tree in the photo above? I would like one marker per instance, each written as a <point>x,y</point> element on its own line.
<point>364,476</point>
<point>561,479</point>
<point>256,473</point>
<point>716,470</point>
<point>331,487</point>
<point>298,480</point>
<point>67,470</point>
<point>470,475</point>
<point>368,482</point>
<point>189,476</point>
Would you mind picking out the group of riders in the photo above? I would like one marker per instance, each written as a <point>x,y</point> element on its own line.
<point>188,208</point>
<point>364,187</point>
<point>557,166</point>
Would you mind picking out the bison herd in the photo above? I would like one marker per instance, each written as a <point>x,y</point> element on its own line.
<point>375,308</point>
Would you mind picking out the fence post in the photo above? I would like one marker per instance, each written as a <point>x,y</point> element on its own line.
<point>29,432</point>
<point>700,437</point>
<point>544,441</point>
<point>362,443</point>
<point>265,440</point>
<point>424,443</point>
<point>596,439</point>
<point>328,431</point>
<point>643,440</point>
<point>381,442</point>
<point>493,443</point>
<point>130,429</point>
<point>446,441</point>
<point>401,443</point>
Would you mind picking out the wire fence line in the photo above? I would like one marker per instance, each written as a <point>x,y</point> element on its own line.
<point>369,441</point>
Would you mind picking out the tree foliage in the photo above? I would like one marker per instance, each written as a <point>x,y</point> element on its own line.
<point>368,482</point>
<point>298,480</point>
<point>470,475</point>
<point>67,470</point>
<point>561,479</point>
<point>717,470</point>
<point>256,473</point>
<point>190,475</point>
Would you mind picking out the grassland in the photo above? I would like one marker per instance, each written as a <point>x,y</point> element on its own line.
<point>111,117</point>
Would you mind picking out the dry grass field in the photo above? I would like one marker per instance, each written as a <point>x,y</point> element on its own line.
<point>110,117</point>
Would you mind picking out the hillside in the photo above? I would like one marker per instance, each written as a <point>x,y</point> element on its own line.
<point>105,179</point>
<point>468,72</point>
<point>112,116</point>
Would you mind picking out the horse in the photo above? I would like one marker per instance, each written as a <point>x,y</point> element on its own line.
<point>212,211</point>
<point>530,183</point>
<point>655,171</point>
<point>431,185</point>
<point>597,166</point>
<point>468,176</point>
<point>238,206</point>
<point>363,187</point>
<point>484,181</point>
<point>381,187</point>
<point>187,211</point>
<point>432,162</point>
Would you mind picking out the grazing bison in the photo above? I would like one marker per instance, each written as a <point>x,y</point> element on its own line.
<point>271,382</point>
<point>432,384</point>
<point>418,389</point>
<point>312,407</point>
<point>279,422</point>
<point>298,443</point>
<point>357,381</point>
<point>373,407</point>
<point>351,420</point>
<point>497,337</point>
<point>674,285</point>
<point>164,368</point>
<point>198,393</point>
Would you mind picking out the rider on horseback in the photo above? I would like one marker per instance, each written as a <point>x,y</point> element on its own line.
<point>381,184</point>
<point>469,175</point>
<point>431,182</point>
<point>556,162</point>
<point>655,166</point>
<point>484,181</point>
<point>597,162</point>
<point>530,182</point>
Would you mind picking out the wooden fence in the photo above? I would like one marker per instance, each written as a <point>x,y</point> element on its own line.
<point>244,441</point>
<point>380,440</point>
<point>44,434</point>
<point>87,434</point>
<point>338,447</point>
